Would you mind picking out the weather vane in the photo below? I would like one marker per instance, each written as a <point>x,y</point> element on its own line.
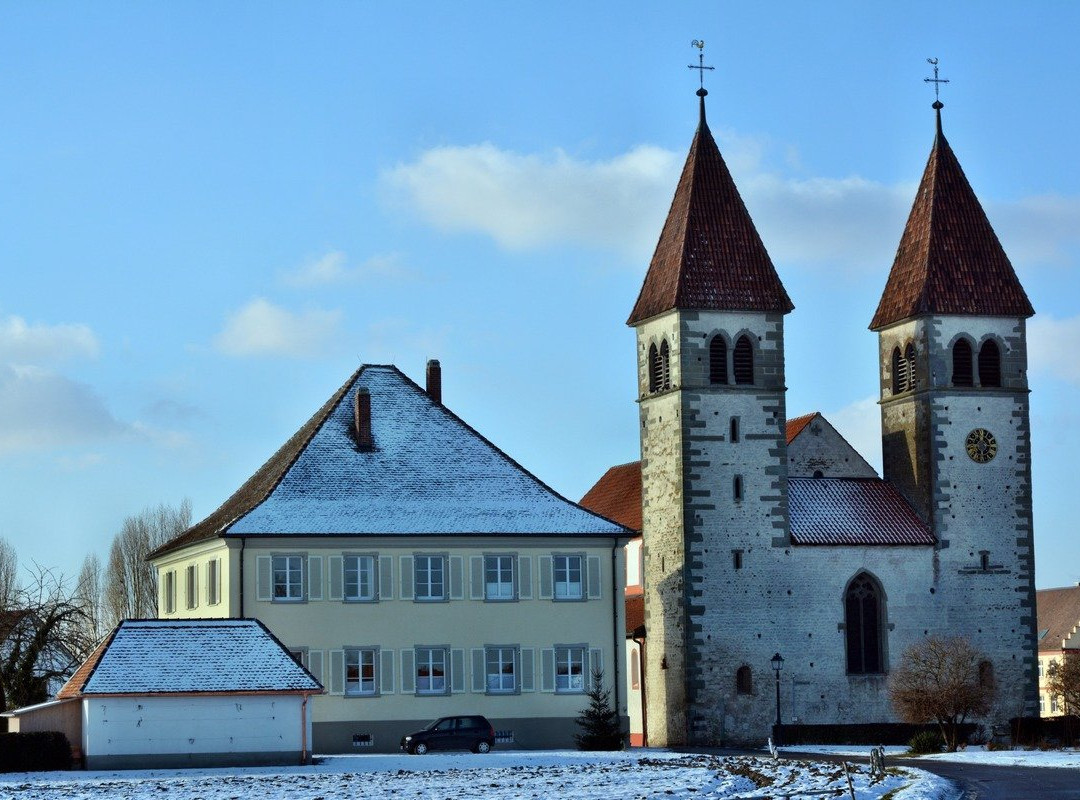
<point>936,81</point>
<point>700,45</point>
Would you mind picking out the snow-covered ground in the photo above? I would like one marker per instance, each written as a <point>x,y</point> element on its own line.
<point>562,775</point>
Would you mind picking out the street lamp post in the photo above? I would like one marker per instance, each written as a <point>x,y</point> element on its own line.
<point>777,665</point>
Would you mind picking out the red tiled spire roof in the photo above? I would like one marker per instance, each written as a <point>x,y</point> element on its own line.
<point>710,255</point>
<point>949,260</point>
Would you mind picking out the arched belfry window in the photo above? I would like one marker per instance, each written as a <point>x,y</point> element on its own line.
<point>744,680</point>
<point>654,368</point>
<point>863,625</point>
<point>665,365</point>
<point>743,361</point>
<point>718,360</point>
<point>961,364</point>
<point>899,372</point>
<point>909,359</point>
<point>989,364</point>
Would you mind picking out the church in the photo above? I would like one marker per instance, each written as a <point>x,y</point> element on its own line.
<point>771,544</point>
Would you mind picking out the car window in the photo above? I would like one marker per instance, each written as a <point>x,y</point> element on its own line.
<point>445,725</point>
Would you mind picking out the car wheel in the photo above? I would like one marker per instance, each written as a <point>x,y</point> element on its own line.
<point>419,749</point>
<point>482,747</point>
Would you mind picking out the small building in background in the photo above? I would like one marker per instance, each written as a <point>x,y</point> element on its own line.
<point>1059,621</point>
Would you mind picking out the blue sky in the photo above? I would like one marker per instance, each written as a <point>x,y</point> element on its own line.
<point>211,213</point>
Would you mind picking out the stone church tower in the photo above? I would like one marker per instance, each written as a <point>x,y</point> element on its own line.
<point>749,552</point>
<point>955,428</point>
<point>710,351</point>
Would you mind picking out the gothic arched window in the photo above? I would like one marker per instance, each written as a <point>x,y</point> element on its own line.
<point>909,357</point>
<point>743,361</point>
<point>961,364</point>
<point>665,365</point>
<point>899,372</point>
<point>744,680</point>
<point>989,364</point>
<point>718,360</point>
<point>863,617</point>
<point>654,369</point>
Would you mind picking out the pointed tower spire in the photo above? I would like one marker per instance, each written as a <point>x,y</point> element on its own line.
<point>949,260</point>
<point>710,256</point>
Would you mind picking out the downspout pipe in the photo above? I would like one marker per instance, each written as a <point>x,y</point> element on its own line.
<point>303,730</point>
<point>243,541</point>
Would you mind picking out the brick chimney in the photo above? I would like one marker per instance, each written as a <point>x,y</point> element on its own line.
<point>362,419</point>
<point>434,381</point>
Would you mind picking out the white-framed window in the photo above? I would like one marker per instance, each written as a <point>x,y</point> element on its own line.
<point>191,586</point>
<point>429,572</point>
<point>570,669</point>
<point>359,577</point>
<point>213,581</point>
<point>431,670</point>
<point>499,577</point>
<point>567,570</point>
<point>288,578</point>
<point>500,670</point>
<point>361,679</point>
<point>1053,704</point>
<point>1042,704</point>
<point>170,592</point>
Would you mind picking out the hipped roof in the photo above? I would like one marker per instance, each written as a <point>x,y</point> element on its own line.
<point>949,260</point>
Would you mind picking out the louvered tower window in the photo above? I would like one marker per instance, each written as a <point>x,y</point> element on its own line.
<point>654,368</point>
<point>743,361</point>
<point>863,625</point>
<point>961,364</point>
<point>909,359</point>
<point>718,360</point>
<point>989,364</point>
<point>899,372</point>
<point>665,365</point>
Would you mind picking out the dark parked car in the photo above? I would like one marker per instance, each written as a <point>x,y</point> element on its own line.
<point>451,733</point>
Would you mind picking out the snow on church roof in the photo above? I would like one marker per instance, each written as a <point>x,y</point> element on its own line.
<point>428,473</point>
<point>852,511</point>
<point>185,656</point>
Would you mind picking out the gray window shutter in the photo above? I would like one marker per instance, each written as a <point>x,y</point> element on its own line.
<point>596,662</point>
<point>594,578</point>
<point>315,660</point>
<point>476,574</point>
<point>545,577</point>
<point>314,571</point>
<point>478,667</point>
<point>335,565</point>
<point>263,578</point>
<point>408,670</point>
<point>457,567</point>
<point>386,577</point>
<point>386,671</point>
<point>337,672</point>
<point>547,670</point>
<point>457,671</point>
<point>406,577</point>
<point>524,576</point>
<point>528,665</point>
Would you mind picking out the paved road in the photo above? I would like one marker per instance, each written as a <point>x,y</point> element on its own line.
<point>986,782</point>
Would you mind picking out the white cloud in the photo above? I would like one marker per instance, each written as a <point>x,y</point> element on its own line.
<point>851,223</point>
<point>525,201</point>
<point>1052,347</point>
<point>262,329</point>
<point>21,343</point>
<point>333,268</point>
<point>40,409</point>
<point>860,424</point>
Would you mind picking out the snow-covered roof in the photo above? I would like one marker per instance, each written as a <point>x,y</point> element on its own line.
<point>185,656</point>
<point>428,473</point>
<point>852,511</point>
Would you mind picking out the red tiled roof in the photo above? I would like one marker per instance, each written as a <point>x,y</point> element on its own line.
<point>1058,612</point>
<point>710,255</point>
<point>635,613</point>
<point>73,688</point>
<point>617,495</point>
<point>949,260</point>
<point>795,426</point>
<point>852,511</point>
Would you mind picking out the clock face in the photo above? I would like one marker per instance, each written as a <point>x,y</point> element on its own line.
<point>981,445</point>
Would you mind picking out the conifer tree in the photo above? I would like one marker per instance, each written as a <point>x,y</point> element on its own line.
<point>599,722</point>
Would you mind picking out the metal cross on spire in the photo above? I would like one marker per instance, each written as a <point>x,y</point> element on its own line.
<point>700,45</point>
<point>936,81</point>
